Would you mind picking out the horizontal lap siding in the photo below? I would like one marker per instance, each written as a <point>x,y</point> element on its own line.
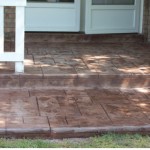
<point>9,28</point>
<point>9,19</point>
<point>148,13</point>
<point>145,19</point>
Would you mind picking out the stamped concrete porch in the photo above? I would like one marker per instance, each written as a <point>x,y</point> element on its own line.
<point>76,86</point>
<point>74,60</point>
<point>73,113</point>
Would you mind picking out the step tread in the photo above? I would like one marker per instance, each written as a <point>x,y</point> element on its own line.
<point>71,113</point>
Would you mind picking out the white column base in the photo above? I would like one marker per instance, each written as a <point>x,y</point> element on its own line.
<point>19,67</point>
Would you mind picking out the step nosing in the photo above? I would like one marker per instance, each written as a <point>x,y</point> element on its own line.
<point>76,130</point>
<point>82,74</point>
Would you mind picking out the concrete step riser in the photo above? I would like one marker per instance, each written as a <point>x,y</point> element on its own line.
<point>103,81</point>
<point>61,133</point>
<point>82,38</point>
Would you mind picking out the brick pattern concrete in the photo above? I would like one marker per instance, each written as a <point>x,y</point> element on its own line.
<point>56,113</point>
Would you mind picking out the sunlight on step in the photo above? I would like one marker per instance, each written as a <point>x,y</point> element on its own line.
<point>143,90</point>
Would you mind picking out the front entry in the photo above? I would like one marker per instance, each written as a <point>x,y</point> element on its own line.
<point>53,15</point>
<point>112,16</point>
<point>97,16</point>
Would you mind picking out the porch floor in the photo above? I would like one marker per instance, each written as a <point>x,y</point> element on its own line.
<point>44,59</point>
<point>76,89</point>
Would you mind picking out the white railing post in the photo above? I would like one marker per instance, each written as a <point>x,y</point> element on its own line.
<point>19,40</point>
<point>18,55</point>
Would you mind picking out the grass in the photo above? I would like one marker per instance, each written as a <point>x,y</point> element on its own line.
<point>104,141</point>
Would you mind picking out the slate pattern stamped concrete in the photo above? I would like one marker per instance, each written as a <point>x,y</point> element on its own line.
<point>51,63</point>
<point>92,58</point>
<point>57,112</point>
<point>76,89</point>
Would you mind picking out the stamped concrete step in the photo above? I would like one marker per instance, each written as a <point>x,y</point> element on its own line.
<point>73,113</point>
<point>74,81</point>
<point>108,65</point>
<point>83,38</point>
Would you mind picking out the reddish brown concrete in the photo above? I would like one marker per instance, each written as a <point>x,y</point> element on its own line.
<point>73,113</point>
<point>80,61</point>
<point>76,89</point>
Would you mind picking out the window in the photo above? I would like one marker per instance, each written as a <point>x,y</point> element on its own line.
<point>113,2</point>
<point>52,1</point>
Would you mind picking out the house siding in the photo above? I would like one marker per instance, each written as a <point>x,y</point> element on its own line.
<point>148,21</point>
<point>10,20</point>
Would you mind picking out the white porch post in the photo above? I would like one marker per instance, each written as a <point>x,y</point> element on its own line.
<point>18,55</point>
<point>19,41</point>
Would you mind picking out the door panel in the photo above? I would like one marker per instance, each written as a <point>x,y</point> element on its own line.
<point>112,16</point>
<point>53,15</point>
<point>125,18</point>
